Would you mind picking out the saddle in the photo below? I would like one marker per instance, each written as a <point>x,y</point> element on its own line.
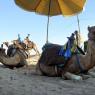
<point>65,52</point>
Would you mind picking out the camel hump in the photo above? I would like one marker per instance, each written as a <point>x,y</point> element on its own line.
<point>49,45</point>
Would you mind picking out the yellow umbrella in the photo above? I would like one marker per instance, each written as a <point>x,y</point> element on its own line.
<point>52,7</point>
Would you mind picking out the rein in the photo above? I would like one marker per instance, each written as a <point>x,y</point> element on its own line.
<point>79,64</point>
<point>82,70</point>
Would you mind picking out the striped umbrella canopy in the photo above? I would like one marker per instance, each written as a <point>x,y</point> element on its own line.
<point>52,7</point>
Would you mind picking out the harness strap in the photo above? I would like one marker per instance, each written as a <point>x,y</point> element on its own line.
<point>78,62</point>
<point>82,70</point>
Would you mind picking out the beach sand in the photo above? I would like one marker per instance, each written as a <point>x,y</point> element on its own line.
<point>24,81</point>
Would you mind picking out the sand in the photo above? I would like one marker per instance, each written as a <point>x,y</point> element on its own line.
<point>24,81</point>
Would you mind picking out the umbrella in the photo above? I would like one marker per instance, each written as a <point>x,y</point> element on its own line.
<point>52,7</point>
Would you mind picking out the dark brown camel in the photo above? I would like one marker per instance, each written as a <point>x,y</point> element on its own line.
<point>75,65</point>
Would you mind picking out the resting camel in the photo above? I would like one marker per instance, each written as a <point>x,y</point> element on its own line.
<point>9,47</point>
<point>31,45</point>
<point>17,58</point>
<point>77,64</point>
<point>26,45</point>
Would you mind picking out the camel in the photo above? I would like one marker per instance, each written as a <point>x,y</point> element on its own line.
<point>8,47</point>
<point>26,45</point>
<point>72,69</point>
<point>31,45</point>
<point>17,58</point>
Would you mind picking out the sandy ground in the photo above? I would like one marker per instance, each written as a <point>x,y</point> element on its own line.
<point>24,82</point>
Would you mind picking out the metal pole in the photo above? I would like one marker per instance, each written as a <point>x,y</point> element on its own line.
<point>48,21</point>
<point>78,23</point>
<point>78,39</point>
<point>47,30</point>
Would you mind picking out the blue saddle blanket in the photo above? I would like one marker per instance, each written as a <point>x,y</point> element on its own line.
<point>65,53</point>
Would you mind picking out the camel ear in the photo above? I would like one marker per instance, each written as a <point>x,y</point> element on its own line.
<point>89,28</point>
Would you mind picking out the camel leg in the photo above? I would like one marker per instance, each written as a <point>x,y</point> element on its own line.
<point>28,53</point>
<point>85,76</point>
<point>71,76</point>
<point>37,70</point>
<point>37,52</point>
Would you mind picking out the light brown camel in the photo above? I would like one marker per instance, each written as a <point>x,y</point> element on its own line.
<point>18,58</point>
<point>31,45</point>
<point>26,45</point>
<point>74,66</point>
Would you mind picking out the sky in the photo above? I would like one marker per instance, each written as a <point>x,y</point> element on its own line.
<point>14,21</point>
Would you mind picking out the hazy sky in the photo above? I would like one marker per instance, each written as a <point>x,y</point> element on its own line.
<point>14,20</point>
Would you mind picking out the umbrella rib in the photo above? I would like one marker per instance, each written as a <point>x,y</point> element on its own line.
<point>59,6</point>
<point>71,2</point>
<point>37,5</point>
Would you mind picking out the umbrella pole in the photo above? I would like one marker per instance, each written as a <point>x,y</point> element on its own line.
<point>78,28</point>
<point>78,23</point>
<point>47,30</point>
<point>48,21</point>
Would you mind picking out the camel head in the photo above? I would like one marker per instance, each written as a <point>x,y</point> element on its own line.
<point>91,34</point>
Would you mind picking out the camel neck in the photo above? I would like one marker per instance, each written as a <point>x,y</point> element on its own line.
<point>90,56</point>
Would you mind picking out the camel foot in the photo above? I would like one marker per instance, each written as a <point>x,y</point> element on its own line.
<point>85,76</point>
<point>92,74</point>
<point>71,76</point>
